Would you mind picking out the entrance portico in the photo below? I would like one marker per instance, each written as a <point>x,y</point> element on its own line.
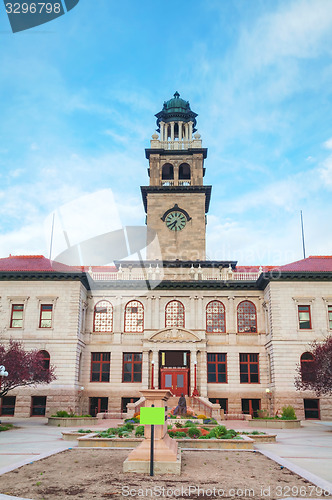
<point>174,352</point>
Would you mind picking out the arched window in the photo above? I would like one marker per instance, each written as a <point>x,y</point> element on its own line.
<point>103,317</point>
<point>174,314</point>
<point>215,317</point>
<point>167,172</point>
<point>246,317</point>
<point>184,171</point>
<point>176,130</point>
<point>46,359</point>
<point>134,317</point>
<point>307,367</point>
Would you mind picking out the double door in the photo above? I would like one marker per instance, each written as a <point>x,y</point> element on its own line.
<point>175,380</point>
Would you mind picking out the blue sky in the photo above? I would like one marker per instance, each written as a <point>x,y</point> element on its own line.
<point>78,97</point>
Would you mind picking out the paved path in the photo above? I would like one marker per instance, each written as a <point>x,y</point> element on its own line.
<point>309,448</point>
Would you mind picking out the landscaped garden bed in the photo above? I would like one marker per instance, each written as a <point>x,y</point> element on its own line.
<point>274,423</point>
<point>64,419</point>
<point>188,435</point>
<point>73,435</point>
<point>287,420</point>
<point>260,437</point>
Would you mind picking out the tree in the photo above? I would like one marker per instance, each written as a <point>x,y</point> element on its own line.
<point>25,368</point>
<point>316,375</point>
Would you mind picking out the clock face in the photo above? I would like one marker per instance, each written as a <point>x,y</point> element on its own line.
<point>175,221</point>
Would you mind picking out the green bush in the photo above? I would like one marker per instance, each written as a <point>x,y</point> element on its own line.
<point>178,425</point>
<point>112,430</point>
<point>219,431</point>
<point>62,414</point>
<point>5,427</point>
<point>139,431</point>
<point>129,426</point>
<point>180,434</point>
<point>83,431</point>
<point>288,413</point>
<point>189,423</point>
<point>194,432</point>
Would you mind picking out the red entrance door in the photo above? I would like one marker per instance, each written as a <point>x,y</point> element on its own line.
<point>175,380</point>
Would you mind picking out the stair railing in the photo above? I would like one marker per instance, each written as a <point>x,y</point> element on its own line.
<point>133,408</point>
<point>211,410</point>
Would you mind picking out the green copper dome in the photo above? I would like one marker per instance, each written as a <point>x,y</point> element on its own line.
<point>176,109</point>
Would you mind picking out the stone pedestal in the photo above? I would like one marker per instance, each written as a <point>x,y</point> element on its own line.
<point>167,459</point>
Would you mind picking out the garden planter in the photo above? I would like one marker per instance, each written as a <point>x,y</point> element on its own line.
<point>72,422</point>
<point>274,424</point>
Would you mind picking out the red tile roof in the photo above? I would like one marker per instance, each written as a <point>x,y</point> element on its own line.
<point>314,263</point>
<point>33,263</point>
<point>39,263</point>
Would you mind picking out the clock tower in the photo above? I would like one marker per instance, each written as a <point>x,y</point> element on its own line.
<point>176,200</point>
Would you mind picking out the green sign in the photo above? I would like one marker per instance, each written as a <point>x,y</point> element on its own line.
<point>152,416</point>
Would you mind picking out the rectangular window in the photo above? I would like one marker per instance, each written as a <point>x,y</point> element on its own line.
<point>8,405</point>
<point>251,407</point>
<point>100,366</point>
<point>330,317</point>
<point>38,406</point>
<point>46,316</point>
<point>98,405</point>
<point>216,368</point>
<point>132,367</point>
<point>304,318</point>
<point>311,409</point>
<point>249,369</point>
<point>16,320</point>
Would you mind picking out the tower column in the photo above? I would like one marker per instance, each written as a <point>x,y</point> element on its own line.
<point>172,131</point>
<point>180,131</point>
<point>162,131</point>
<point>190,131</point>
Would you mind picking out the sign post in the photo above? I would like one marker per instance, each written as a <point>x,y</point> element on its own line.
<point>152,416</point>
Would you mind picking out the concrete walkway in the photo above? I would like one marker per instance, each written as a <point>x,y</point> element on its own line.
<point>308,449</point>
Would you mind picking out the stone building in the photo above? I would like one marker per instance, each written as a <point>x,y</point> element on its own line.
<point>225,334</point>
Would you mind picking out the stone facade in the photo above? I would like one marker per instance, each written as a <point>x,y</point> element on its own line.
<point>130,328</point>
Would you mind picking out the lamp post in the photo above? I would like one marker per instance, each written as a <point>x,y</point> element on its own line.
<point>268,395</point>
<point>152,374</point>
<point>3,373</point>
<point>195,391</point>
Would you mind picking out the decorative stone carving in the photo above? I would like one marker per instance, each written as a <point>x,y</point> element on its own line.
<point>174,334</point>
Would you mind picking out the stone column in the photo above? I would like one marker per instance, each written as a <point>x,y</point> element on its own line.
<point>157,322</point>
<point>190,131</point>
<point>193,359</point>
<point>230,316</point>
<point>172,131</point>
<point>145,370</point>
<point>155,358</point>
<point>261,324</point>
<point>148,321</point>
<point>202,374</point>
<point>180,131</point>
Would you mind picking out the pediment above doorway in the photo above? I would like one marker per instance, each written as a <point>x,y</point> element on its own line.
<point>174,334</point>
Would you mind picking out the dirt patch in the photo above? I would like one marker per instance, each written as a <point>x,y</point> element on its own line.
<point>97,474</point>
